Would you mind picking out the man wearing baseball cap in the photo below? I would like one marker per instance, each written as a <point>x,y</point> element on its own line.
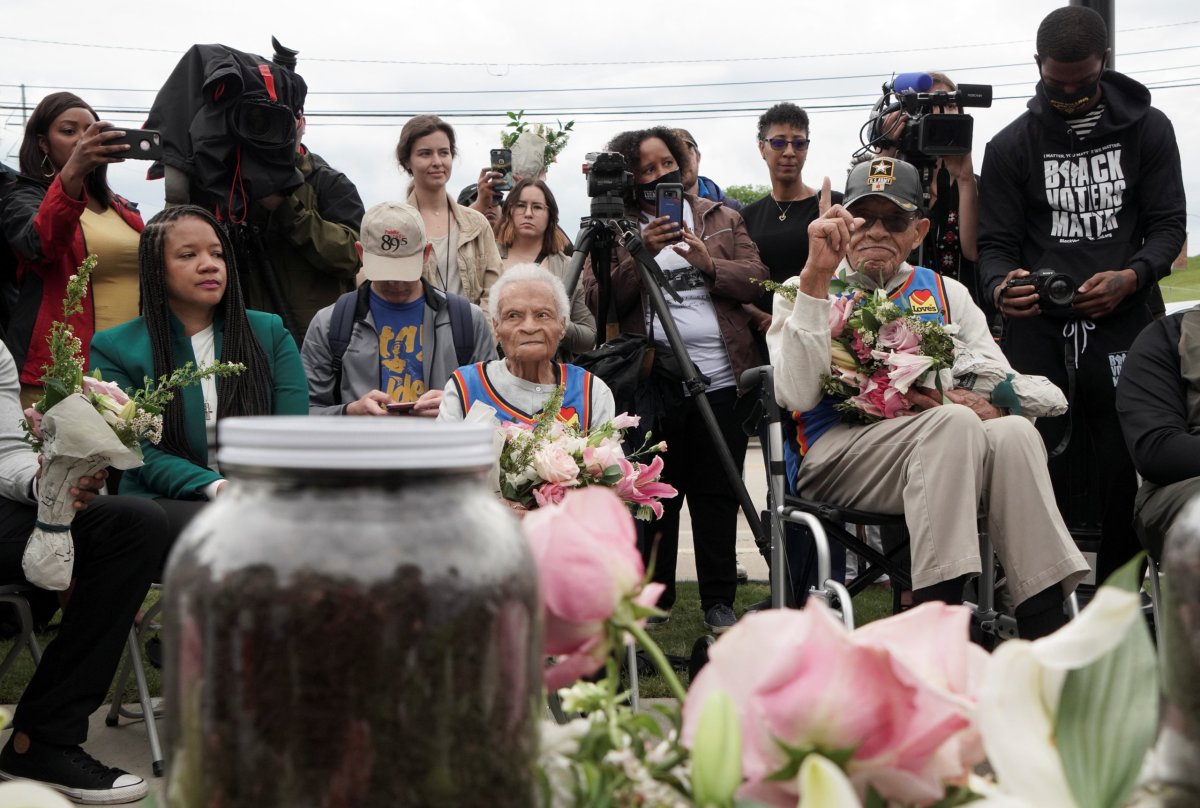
<point>954,450</point>
<point>391,346</point>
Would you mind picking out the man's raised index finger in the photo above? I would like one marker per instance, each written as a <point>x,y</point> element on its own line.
<point>825,202</point>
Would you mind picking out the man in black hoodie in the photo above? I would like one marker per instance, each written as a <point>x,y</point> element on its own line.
<point>1086,183</point>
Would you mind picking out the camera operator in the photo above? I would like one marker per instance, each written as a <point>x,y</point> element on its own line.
<point>711,262</point>
<point>1086,183</point>
<point>950,248</point>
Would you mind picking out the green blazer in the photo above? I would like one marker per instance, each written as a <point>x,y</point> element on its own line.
<point>122,354</point>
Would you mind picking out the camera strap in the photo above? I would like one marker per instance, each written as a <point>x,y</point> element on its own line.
<point>1071,332</point>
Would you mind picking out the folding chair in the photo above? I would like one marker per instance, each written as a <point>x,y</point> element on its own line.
<point>147,711</point>
<point>16,595</point>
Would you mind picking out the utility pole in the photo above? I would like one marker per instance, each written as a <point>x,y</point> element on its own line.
<point>1107,10</point>
<point>24,117</point>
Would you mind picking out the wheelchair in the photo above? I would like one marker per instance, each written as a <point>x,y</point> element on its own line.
<point>793,520</point>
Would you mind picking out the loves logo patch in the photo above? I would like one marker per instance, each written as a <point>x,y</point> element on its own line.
<point>921,301</point>
<point>569,415</point>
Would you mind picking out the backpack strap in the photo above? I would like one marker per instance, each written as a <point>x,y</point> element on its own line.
<point>341,325</point>
<point>462,327</point>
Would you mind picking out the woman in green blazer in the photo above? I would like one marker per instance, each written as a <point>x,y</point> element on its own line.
<point>192,311</point>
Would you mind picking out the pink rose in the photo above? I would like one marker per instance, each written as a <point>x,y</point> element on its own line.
<point>587,558</point>
<point>548,494</point>
<point>555,466</point>
<point>34,418</point>
<point>879,397</point>
<point>639,484</point>
<point>602,456</point>
<point>860,348</point>
<point>799,678</point>
<point>897,336</point>
<point>101,388</point>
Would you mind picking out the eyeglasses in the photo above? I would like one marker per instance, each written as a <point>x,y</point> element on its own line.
<point>893,223</point>
<point>781,143</point>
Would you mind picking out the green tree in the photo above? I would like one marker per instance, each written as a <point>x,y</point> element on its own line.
<point>747,193</point>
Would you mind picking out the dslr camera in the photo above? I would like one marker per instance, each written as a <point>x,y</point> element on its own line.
<point>926,134</point>
<point>1056,289</point>
<point>609,185</point>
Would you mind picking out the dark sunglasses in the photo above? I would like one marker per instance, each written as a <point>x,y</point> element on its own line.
<point>781,143</point>
<point>893,223</point>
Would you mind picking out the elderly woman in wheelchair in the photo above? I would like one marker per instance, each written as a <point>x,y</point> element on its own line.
<point>943,459</point>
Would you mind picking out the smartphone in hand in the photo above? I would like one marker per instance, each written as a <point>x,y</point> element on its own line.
<point>669,203</point>
<point>144,144</point>
<point>401,407</point>
<point>502,163</point>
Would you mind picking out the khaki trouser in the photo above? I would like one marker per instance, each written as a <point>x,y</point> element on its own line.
<point>939,469</point>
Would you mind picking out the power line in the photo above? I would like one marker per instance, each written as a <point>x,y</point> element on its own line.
<point>617,63</point>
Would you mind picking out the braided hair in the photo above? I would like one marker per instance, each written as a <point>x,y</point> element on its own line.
<point>248,393</point>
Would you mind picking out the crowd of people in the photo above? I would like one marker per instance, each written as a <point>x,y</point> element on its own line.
<point>425,305</point>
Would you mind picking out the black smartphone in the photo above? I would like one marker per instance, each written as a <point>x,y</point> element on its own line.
<point>670,203</point>
<point>144,144</point>
<point>502,162</point>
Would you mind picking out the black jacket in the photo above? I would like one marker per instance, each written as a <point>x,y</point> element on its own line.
<point>1158,400</point>
<point>1115,199</point>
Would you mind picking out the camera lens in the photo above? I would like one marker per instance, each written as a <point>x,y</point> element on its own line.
<point>1060,291</point>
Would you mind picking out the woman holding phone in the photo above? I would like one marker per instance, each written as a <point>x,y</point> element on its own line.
<point>711,263</point>
<point>528,233</point>
<point>193,312</point>
<point>60,210</point>
<point>467,260</point>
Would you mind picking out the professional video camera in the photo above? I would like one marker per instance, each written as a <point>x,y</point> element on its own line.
<point>1056,289</point>
<point>923,135</point>
<point>609,185</point>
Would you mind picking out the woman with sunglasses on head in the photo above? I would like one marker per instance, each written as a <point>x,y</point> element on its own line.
<point>528,233</point>
<point>778,222</point>
<point>467,260</point>
<point>192,311</point>
<point>711,263</point>
<point>59,210</point>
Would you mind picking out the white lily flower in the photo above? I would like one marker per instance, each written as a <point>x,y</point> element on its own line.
<point>1018,703</point>
<point>824,785</point>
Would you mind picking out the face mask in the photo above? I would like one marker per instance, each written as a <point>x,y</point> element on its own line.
<point>647,191</point>
<point>1070,103</point>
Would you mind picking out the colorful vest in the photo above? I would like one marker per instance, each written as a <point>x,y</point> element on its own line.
<point>923,295</point>
<point>473,385</point>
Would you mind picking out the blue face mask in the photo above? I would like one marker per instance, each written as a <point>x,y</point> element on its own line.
<point>647,191</point>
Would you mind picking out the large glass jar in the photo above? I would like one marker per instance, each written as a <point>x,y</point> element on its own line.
<point>354,622</point>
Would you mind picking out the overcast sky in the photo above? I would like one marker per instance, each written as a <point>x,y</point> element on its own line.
<point>712,72</point>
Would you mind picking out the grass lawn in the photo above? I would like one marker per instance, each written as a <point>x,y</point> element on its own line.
<point>687,623</point>
<point>1182,284</point>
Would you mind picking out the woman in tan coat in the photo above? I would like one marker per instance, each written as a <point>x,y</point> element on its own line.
<point>468,262</point>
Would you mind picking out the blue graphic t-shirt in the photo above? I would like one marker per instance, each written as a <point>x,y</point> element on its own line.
<point>401,334</point>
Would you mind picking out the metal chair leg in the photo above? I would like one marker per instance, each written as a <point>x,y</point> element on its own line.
<point>635,700</point>
<point>1155,592</point>
<point>147,713</point>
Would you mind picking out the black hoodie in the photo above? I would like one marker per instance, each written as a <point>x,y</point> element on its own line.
<point>1114,199</point>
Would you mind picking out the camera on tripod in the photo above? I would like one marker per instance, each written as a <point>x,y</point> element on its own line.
<point>609,185</point>
<point>1055,289</point>
<point>923,134</point>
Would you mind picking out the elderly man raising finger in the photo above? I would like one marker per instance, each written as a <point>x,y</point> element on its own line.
<point>955,454</point>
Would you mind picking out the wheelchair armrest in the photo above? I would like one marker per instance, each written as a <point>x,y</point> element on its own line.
<point>836,513</point>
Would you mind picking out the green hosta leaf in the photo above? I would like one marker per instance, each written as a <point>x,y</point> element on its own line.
<point>869,320</point>
<point>1108,713</point>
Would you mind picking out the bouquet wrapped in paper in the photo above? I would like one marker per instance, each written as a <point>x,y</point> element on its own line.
<point>83,424</point>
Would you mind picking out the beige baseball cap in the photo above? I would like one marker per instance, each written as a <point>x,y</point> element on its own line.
<point>393,242</point>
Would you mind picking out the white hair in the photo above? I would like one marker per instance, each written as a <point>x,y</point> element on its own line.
<point>529,272</point>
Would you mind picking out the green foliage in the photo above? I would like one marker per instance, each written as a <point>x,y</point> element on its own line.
<point>64,375</point>
<point>747,193</point>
